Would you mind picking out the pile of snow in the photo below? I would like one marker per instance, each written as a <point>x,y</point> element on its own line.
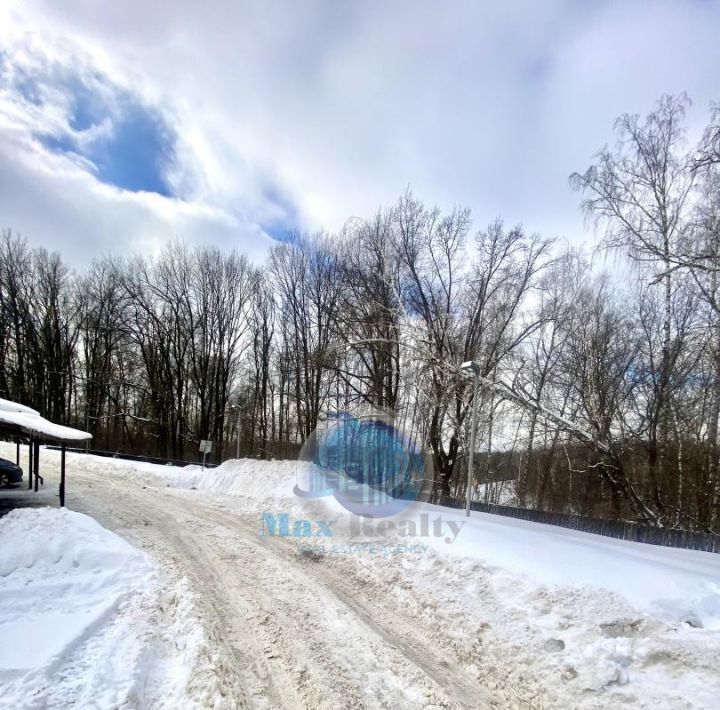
<point>256,481</point>
<point>61,575</point>
<point>249,481</point>
<point>84,621</point>
<point>674,584</point>
<point>677,585</point>
<point>588,621</point>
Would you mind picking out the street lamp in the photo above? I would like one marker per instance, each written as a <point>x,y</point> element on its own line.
<point>473,369</point>
<point>235,409</point>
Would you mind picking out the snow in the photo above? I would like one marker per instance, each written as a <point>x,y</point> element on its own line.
<point>7,406</point>
<point>79,617</point>
<point>62,574</point>
<point>584,620</point>
<point>614,618</point>
<point>31,423</point>
<point>674,584</point>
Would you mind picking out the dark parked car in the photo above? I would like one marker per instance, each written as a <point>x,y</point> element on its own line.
<point>9,473</point>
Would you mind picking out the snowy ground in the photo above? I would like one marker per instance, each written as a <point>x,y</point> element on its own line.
<point>505,614</point>
<point>84,620</point>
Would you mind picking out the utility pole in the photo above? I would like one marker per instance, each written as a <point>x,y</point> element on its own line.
<point>471,368</point>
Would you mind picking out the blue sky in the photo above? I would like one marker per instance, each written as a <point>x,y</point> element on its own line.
<point>133,155</point>
<point>239,123</point>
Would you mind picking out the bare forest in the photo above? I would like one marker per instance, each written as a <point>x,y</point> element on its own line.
<point>600,389</point>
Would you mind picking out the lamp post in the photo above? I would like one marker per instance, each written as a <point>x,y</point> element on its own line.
<point>235,409</point>
<point>237,442</point>
<point>471,368</point>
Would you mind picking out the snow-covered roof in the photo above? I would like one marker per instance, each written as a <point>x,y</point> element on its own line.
<point>7,406</point>
<point>27,421</point>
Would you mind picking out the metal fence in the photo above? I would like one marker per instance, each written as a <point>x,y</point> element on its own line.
<point>135,457</point>
<point>620,529</point>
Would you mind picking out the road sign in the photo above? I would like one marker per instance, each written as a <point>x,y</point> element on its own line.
<point>205,449</point>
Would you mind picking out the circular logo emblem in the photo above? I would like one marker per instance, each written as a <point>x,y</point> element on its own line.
<point>370,466</point>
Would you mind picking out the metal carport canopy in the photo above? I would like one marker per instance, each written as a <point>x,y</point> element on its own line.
<point>21,422</point>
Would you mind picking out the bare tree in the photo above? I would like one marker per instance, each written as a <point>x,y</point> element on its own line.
<point>708,152</point>
<point>369,314</point>
<point>306,277</point>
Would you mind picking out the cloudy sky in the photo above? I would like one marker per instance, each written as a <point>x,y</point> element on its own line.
<point>125,124</point>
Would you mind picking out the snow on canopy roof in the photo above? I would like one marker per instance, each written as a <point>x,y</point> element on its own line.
<point>29,422</point>
<point>7,406</point>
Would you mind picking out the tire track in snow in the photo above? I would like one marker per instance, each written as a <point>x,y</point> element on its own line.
<point>394,630</point>
<point>292,635</point>
<point>246,681</point>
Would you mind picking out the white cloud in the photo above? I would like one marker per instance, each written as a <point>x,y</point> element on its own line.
<point>58,205</point>
<point>336,107</point>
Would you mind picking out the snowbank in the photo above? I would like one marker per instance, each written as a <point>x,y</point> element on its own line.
<point>61,575</point>
<point>674,584</point>
<point>257,481</point>
<point>84,620</point>
<point>588,621</point>
<point>250,482</point>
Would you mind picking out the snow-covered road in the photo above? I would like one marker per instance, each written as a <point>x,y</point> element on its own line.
<point>294,632</point>
<point>510,615</point>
